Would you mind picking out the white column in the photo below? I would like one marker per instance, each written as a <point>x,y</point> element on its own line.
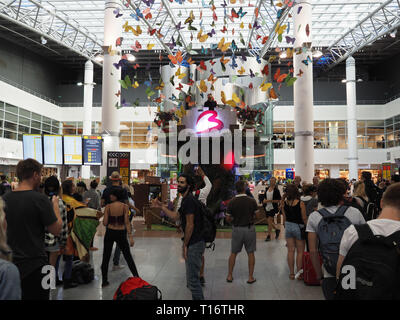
<point>87,108</point>
<point>303,94</point>
<point>334,171</point>
<point>351,118</point>
<point>110,119</point>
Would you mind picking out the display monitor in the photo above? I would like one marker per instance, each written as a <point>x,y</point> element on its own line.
<point>52,146</point>
<point>92,150</point>
<point>33,147</point>
<point>73,150</point>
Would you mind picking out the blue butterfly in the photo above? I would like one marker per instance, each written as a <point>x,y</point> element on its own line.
<point>258,58</point>
<point>233,46</point>
<point>137,15</point>
<point>279,13</point>
<point>203,50</point>
<point>185,64</point>
<point>307,61</point>
<point>147,83</point>
<point>179,1</point>
<point>240,13</point>
<point>204,4</point>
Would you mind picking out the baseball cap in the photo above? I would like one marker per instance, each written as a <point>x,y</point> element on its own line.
<point>115,176</point>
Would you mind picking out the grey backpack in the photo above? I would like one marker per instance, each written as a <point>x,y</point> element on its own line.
<point>330,233</point>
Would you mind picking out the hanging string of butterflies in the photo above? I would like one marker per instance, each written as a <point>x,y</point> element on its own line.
<point>182,56</point>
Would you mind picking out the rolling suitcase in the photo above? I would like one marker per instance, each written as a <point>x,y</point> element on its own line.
<point>309,276</point>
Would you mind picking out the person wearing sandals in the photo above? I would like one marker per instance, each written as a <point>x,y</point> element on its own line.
<point>295,220</point>
<point>271,199</point>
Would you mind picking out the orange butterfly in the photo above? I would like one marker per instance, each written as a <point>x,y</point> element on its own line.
<point>277,74</point>
<point>281,78</point>
<point>272,94</point>
<point>190,61</point>
<point>118,93</point>
<point>265,39</point>
<point>136,66</point>
<point>152,31</point>
<point>211,78</point>
<point>224,29</point>
<point>223,60</point>
<point>177,59</point>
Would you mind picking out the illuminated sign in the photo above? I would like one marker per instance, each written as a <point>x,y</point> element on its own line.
<point>207,122</point>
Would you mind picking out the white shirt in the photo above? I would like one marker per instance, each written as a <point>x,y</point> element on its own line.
<point>270,196</point>
<point>382,227</point>
<point>204,192</point>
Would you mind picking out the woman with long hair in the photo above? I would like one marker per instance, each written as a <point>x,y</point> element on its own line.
<point>360,195</point>
<point>10,283</point>
<point>295,220</point>
<point>272,197</point>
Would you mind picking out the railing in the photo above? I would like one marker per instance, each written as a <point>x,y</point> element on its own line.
<point>37,94</point>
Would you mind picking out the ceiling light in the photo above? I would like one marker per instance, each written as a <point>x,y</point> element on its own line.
<point>43,39</point>
<point>317,54</point>
<point>79,84</point>
<point>344,81</point>
<point>131,57</point>
<point>360,80</point>
<point>393,34</point>
<point>99,58</point>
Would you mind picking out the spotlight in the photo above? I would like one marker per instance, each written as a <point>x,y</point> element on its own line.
<point>79,84</point>
<point>131,57</point>
<point>393,34</point>
<point>317,54</point>
<point>344,81</point>
<point>43,39</point>
<point>283,55</point>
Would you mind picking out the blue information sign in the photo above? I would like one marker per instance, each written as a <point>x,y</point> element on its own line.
<point>92,150</point>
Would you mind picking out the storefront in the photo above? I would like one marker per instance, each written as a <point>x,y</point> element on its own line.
<point>322,173</point>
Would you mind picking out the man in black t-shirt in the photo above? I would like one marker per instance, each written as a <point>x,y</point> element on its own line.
<point>105,200</point>
<point>28,213</point>
<point>193,244</point>
<point>241,212</point>
<point>210,103</point>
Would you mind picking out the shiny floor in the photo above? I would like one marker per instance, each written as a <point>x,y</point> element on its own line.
<point>159,262</point>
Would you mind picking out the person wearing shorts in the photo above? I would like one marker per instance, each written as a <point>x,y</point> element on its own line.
<point>241,212</point>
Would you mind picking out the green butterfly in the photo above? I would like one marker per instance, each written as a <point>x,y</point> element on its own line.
<point>290,80</point>
<point>126,83</point>
<point>149,92</point>
<point>190,50</point>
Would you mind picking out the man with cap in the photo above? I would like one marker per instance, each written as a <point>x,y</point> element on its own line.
<point>116,184</point>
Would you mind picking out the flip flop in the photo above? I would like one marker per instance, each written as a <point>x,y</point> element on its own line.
<point>250,282</point>
<point>227,280</point>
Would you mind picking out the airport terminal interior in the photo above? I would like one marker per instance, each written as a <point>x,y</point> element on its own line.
<point>137,92</point>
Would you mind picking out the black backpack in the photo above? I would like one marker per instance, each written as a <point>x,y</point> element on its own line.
<point>82,272</point>
<point>370,211</point>
<point>209,226</point>
<point>376,260</point>
<point>330,233</point>
<point>4,188</point>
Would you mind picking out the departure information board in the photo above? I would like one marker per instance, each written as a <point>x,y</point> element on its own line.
<point>92,150</point>
<point>52,145</point>
<point>73,150</point>
<point>33,147</point>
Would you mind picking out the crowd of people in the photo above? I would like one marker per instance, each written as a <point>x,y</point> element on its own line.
<point>326,219</point>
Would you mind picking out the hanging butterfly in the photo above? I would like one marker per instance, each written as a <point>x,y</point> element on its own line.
<point>120,64</point>
<point>258,59</point>
<point>202,65</point>
<point>210,34</point>
<point>234,46</point>
<point>240,13</point>
<point>252,75</point>
<point>118,42</point>
<point>308,30</point>
<point>148,2</point>
<point>308,60</point>
<point>136,66</point>
<point>118,93</point>
<point>300,73</point>
<point>265,39</point>
<point>290,40</point>
<point>117,14</point>
<point>137,46</point>
<point>243,57</point>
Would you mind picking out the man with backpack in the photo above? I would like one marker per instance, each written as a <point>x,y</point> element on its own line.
<point>327,226</point>
<point>241,211</point>
<point>190,215</point>
<point>373,250</point>
<point>373,194</point>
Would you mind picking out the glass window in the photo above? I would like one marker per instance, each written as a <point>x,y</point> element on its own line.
<point>35,131</point>
<point>25,113</point>
<point>35,124</point>
<point>389,122</point>
<point>36,116</point>
<point>55,123</point>
<point>1,114</point>
<point>79,124</point>
<point>319,124</point>
<point>10,135</point>
<point>397,118</point>
<point>10,126</point>
<point>20,137</point>
<point>23,129</point>
<point>46,120</point>
<point>11,108</point>
<point>342,124</point>
<point>1,123</point>
<point>289,124</point>
<point>1,105</point>
<point>1,133</point>
<point>24,121</point>
<point>375,131</point>
<point>342,131</point>
<point>11,117</point>
<point>55,130</point>
<point>375,123</point>
<point>46,127</point>
<point>342,142</point>
<point>397,126</point>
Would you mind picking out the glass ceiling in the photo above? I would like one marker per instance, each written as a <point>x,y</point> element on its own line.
<point>331,19</point>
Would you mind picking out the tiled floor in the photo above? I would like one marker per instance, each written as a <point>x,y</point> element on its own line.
<point>159,262</point>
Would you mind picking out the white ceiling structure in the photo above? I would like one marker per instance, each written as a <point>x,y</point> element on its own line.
<point>80,24</point>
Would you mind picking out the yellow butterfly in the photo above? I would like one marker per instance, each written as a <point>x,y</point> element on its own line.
<point>272,59</point>
<point>137,32</point>
<point>150,46</point>
<point>223,46</point>
<point>241,70</point>
<point>203,86</point>
<point>223,98</point>
<point>242,25</point>
<point>265,86</point>
<point>202,37</point>
<point>233,1</point>
<point>161,86</point>
<point>235,98</point>
<point>135,84</point>
<point>280,29</point>
<point>127,27</point>
<point>179,74</point>
<point>191,18</point>
<point>289,53</point>
<point>231,103</point>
